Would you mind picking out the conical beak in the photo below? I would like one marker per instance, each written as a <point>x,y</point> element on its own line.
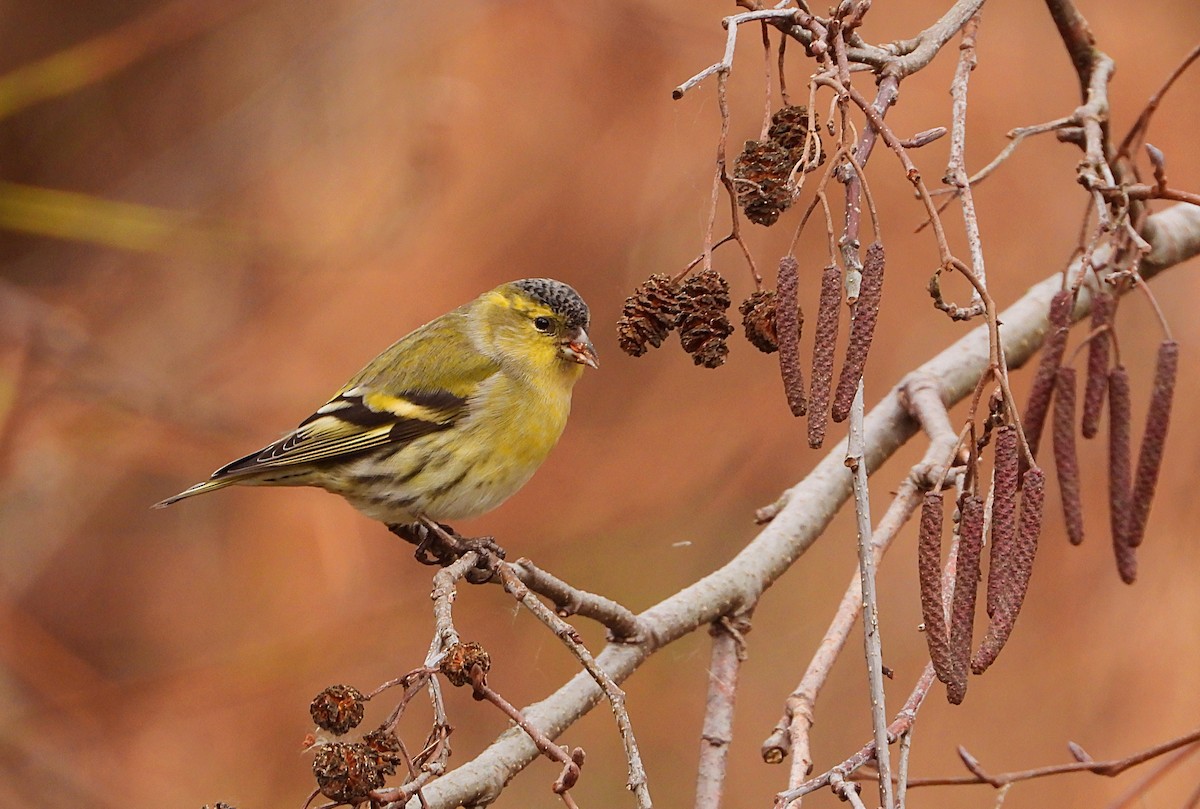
<point>580,349</point>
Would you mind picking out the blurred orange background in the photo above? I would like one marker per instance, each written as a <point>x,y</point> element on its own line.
<point>215,212</point>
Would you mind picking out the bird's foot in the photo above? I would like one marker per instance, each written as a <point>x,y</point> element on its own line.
<point>441,545</point>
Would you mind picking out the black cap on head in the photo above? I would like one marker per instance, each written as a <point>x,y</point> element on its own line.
<point>558,296</point>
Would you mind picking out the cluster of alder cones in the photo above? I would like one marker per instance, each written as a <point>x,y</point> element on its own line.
<point>762,173</point>
<point>772,321</point>
<point>695,307</point>
<point>347,772</point>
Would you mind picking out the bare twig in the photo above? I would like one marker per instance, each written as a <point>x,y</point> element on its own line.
<point>728,651</point>
<point>791,734</point>
<point>572,762</point>
<point>1138,130</point>
<point>616,697</point>
<point>956,170</point>
<point>443,594</point>
<point>1137,790</point>
<point>1110,767</point>
<point>846,790</point>
<point>855,452</point>
<point>903,721</point>
<point>730,24</point>
<point>622,624</point>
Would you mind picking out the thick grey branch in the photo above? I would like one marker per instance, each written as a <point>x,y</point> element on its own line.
<point>811,505</point>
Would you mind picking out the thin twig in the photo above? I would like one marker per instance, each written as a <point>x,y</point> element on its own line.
<point>1109,767</point>
<point>900,724</point>
<point>728,652</point>
<point>1137,790</point>
<point>730,24</point>
<point>616,697</point>
<point>622,624</point>
<point>956,171</point>
<point>571,761</point>
<point>855,452</point>
<point>1138,130</point>
<point>443,595</point>
<point>791,734</point>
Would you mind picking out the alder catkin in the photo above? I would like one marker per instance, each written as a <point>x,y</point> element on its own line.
<point>962,603</point>
<point>1119,474</point>
<point>1066,459</point>
<point>787,331</point>
<point>824,343</point>
<point>1154,439</point>
<point>929,572</point>
<point>1104,306</point>
<point>1005,475</point>
<point>1020,564</point>
<point>1061,307</point>
<point>862,331</point>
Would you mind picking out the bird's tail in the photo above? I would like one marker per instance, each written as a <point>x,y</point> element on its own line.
<point>199,488</point>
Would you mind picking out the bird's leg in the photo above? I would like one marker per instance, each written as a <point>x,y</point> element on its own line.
<point>431,548</point>
<point>439,544</point>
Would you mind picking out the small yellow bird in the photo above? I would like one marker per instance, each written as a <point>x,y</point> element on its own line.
<point>447,423</point>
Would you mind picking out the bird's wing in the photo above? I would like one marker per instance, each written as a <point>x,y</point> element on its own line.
<point>354,421</point>
<point>421,384</point>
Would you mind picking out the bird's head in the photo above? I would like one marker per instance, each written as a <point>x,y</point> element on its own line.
<point>537,325</point>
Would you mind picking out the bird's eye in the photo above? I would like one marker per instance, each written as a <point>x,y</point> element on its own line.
<point>542,324</point>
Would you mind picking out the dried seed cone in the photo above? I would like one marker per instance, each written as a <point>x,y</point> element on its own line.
<point>1061,307</point>
<point>1104,306</point>
<point>461,658</point>
<point>346,772</point>
<point>1154,440</point>
<point>385,749</point>
<point>929,571</point>
<point>862,331</point>
<point>788,323</point>
<point>1029,530</point>
<point>648,316</point>
<point>1066,458</point>
<point>789,128</point>
<point>702,323</point>
<point>962,603</point>
<point>760,175</point>
<point>337,709</point>
<point>1120,477</point>
<point>1005,477</point>
<point>758,320</point>
<point>824,343</point>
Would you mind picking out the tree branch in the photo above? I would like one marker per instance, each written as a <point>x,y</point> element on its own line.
<point>1174,235</point>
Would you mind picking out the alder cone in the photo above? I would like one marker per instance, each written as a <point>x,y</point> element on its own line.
<point>702,323</point>
<point>461,658</point>
<point>385,750</point>
<point>346,772</point>
<point>760,175</point>
<point>758,320</point>
<point>790,126</point>
<point>648,316</point>
<point>337,709</point>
